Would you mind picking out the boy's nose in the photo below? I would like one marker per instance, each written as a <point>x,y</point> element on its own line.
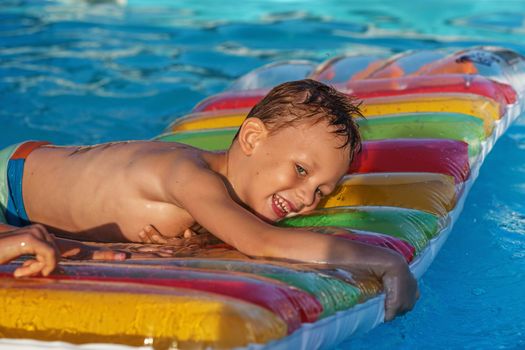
<point>308,197</point>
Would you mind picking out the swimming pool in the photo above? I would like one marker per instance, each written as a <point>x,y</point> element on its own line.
<point>94,71</point>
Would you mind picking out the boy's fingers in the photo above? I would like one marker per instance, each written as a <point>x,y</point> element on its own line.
<point>148,237</point>
<point>71,253</point>
<point>46,254</point>
<point>188,233</point>
<point>49,259</point>
<point>28,262</point>
<point>389,315</point>
<point>390,310</point>
<point>144,237</point>
<point>30,268</point>
<point>158,239</point>
<point>154,235</point>
<point>108,255</point>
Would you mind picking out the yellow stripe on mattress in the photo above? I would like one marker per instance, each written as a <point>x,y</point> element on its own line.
<point>210,120</point>
<point>433,193</point>
<point>128,313</point>
<point>474,105</point>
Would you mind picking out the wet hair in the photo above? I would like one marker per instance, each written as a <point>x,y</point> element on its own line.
<point>296,102</point>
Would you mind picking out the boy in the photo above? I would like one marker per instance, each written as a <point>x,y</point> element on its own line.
<point>290,151</point>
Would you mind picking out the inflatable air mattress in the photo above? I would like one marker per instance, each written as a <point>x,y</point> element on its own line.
<point>431,118</point>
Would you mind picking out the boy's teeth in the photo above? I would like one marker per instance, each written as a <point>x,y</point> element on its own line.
<point>282,204</point>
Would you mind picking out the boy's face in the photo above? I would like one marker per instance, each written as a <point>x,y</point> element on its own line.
<point>290,170</point>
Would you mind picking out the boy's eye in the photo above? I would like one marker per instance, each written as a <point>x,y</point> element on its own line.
<point>300,170</point>
<point>319,193</point>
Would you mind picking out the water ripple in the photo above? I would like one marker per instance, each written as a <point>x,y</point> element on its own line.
<point>505,22</point>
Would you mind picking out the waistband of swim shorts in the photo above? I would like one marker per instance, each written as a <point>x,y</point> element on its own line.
<point>14,152</point>
<point>5,155</point>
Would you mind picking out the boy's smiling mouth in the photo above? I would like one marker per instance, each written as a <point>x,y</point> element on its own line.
<point>281,206</point>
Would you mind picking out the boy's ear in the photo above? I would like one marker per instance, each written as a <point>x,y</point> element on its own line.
<point>252,131</point>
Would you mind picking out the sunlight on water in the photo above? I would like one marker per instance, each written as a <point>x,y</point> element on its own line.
<point>507,219</point>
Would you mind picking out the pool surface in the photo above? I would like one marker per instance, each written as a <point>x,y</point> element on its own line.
<point>78,72</point>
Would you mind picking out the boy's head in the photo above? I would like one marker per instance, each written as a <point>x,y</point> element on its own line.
<point>307,100</point>
<point>293,147</point>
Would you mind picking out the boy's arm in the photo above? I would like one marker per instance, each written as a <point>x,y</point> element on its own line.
<point>213,208</point>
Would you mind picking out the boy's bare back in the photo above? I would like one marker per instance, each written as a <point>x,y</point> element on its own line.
<point>109,192</point>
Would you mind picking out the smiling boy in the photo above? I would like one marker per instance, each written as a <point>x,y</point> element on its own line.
<point>291,150</point>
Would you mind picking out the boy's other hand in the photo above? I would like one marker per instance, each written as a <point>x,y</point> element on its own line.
<point>399,284</point>
<point>149,234</point>
<point>33,240</point>
<point>76,250</point>
<point>401,290</point>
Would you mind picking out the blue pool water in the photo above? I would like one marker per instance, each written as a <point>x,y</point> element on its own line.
<point>81,72</point>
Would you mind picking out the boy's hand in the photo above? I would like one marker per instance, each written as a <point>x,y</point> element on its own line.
<point>35,240</point>
<point>401,290</point>
<point>149,234</point>
<point>72,249</point>
<point>398,282</point>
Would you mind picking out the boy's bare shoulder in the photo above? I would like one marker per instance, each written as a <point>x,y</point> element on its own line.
<point>189,169</point>
<point>166,172</point>
<point>185,160</point>
<point>152,155</point>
